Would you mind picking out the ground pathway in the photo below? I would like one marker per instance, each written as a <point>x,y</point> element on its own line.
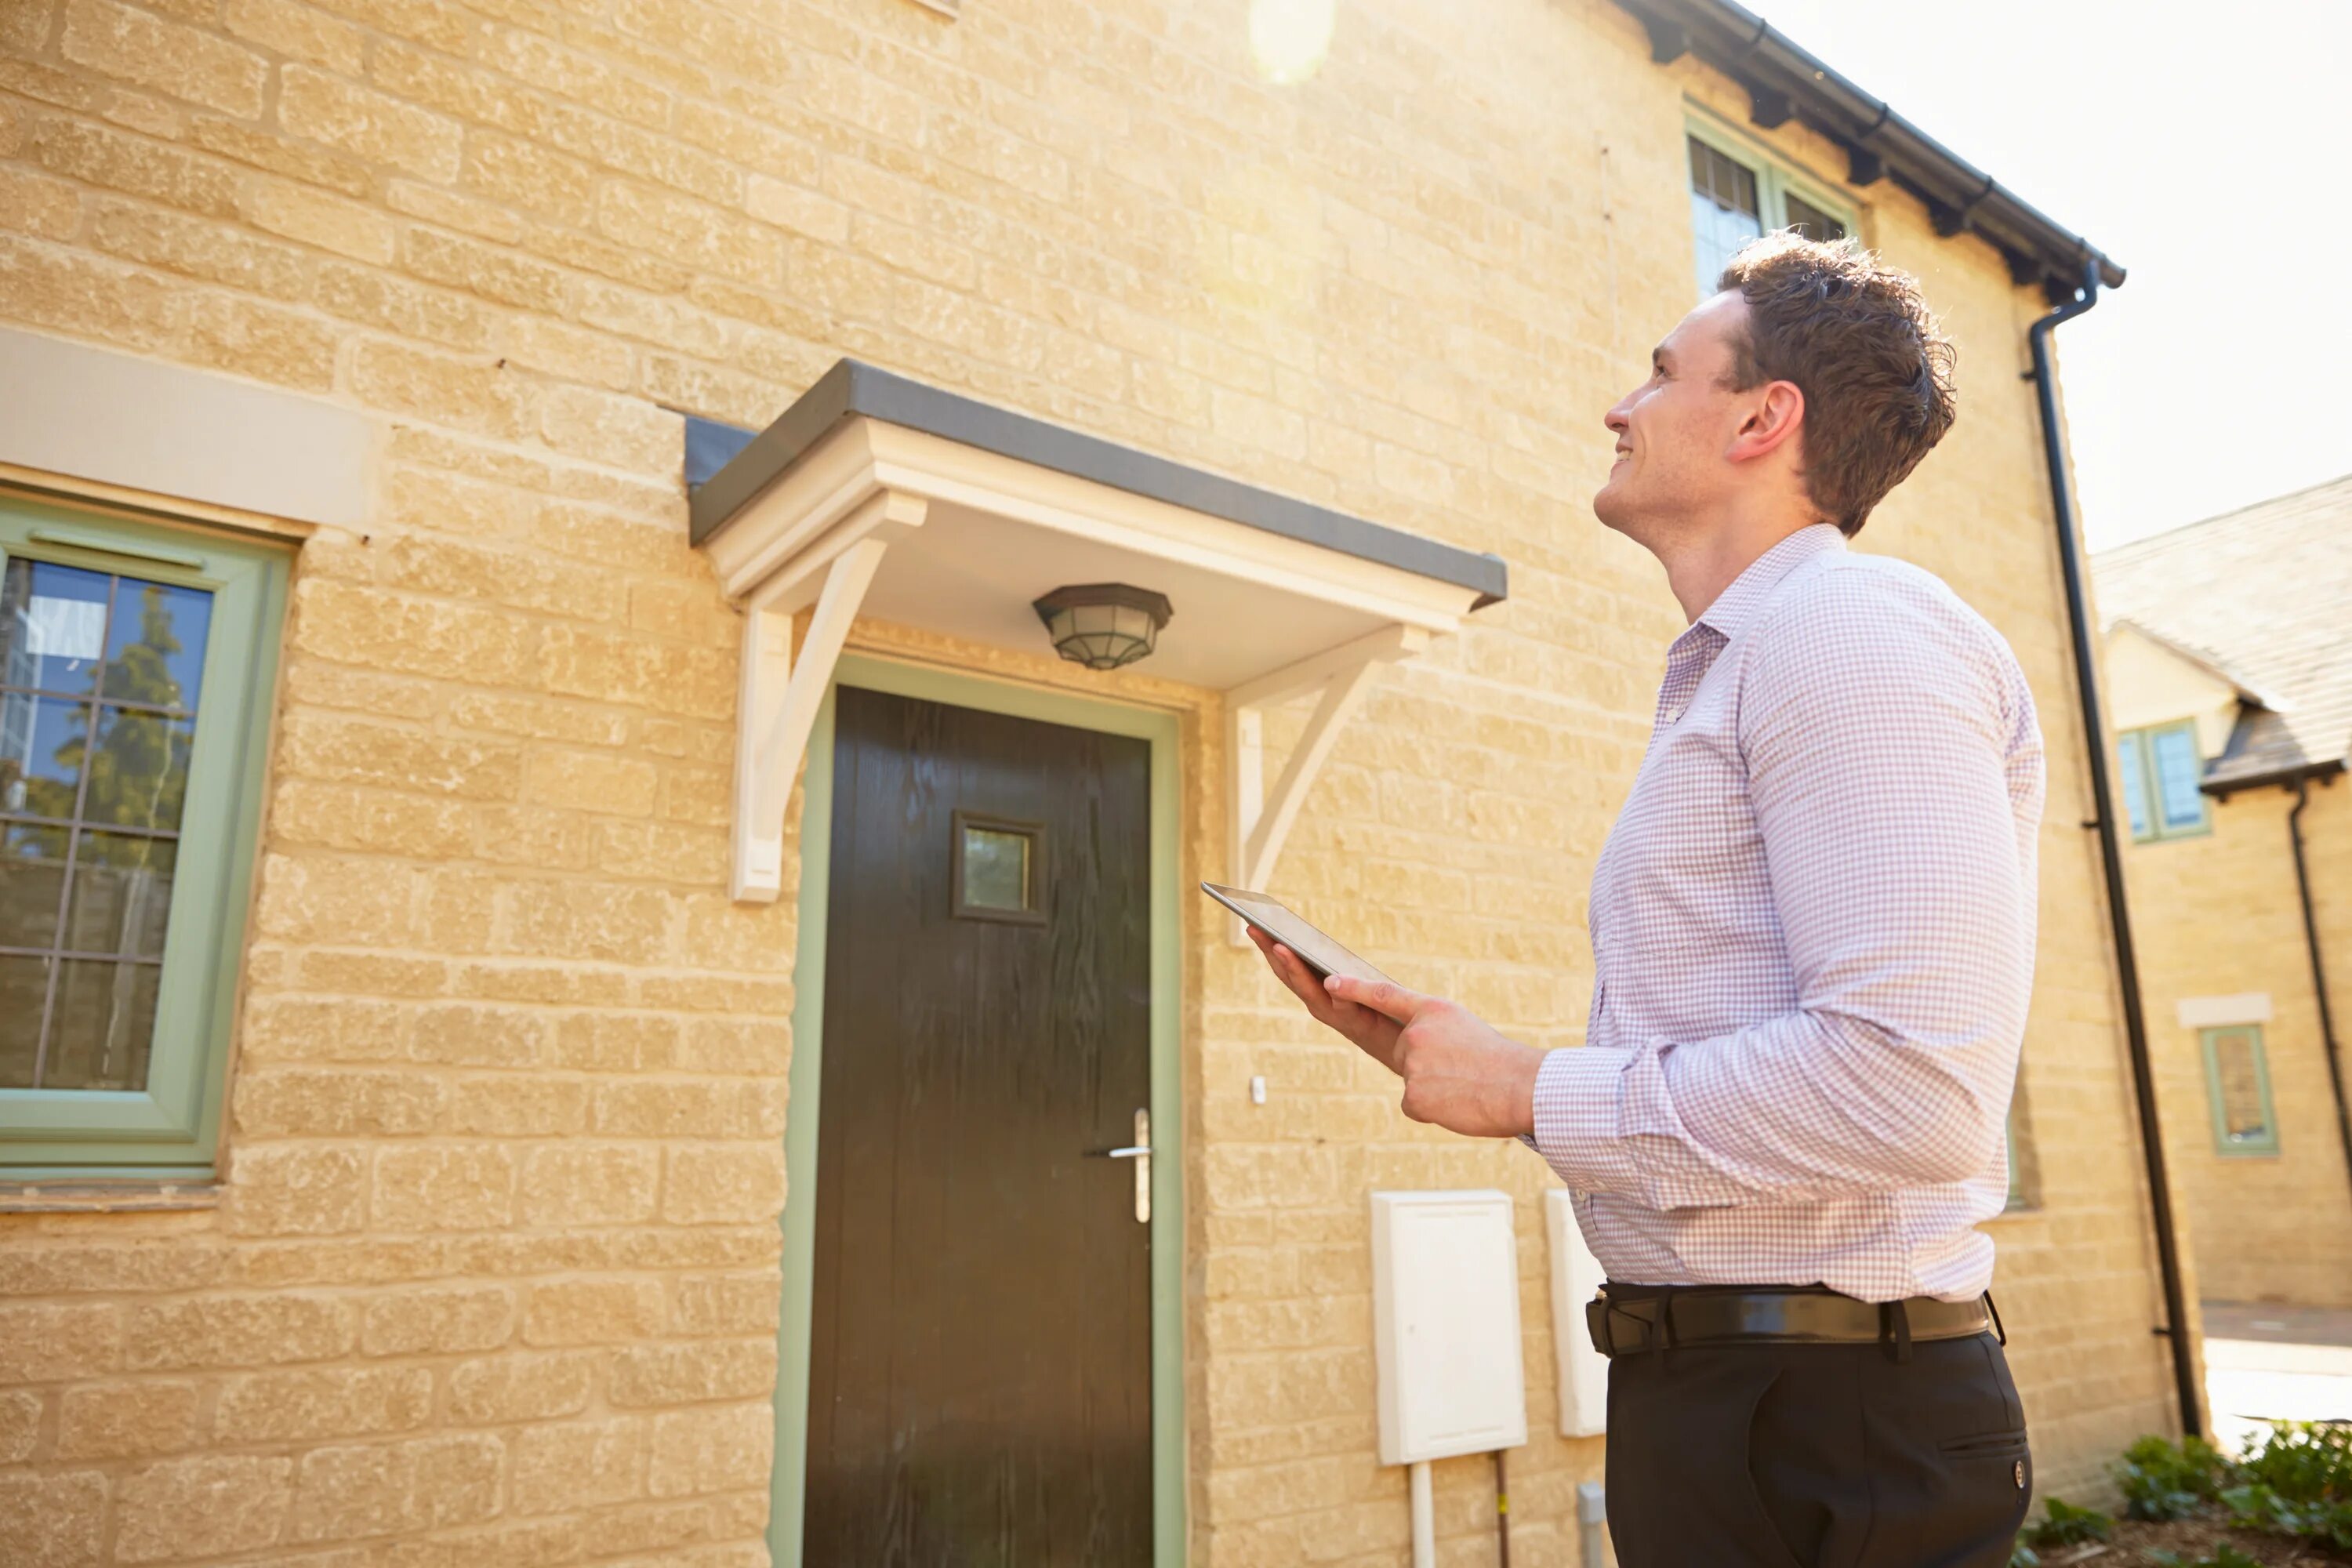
<point>2265,1362</point>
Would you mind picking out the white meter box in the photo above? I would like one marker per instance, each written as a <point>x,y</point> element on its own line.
<point>1445,1325</point>
<point>1575,1279</point>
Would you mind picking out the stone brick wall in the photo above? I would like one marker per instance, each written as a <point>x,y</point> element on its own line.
<point>2217,915</point>
<point>492,1277</point>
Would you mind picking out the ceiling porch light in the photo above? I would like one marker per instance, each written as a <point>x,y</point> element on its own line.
<point>1103,624</point>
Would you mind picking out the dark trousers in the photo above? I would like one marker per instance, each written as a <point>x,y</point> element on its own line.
<point>1817,1456</point>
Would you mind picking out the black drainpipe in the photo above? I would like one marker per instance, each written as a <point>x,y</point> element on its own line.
<point>2318,969</point>
<point>2174,1328</point>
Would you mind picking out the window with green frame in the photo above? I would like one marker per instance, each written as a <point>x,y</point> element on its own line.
<point>136,663</point>
<point>2160,770</point>
<point>2238,1088</point>
<point>1738,192</point>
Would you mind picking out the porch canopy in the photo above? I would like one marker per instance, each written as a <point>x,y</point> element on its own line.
<point>873,495</point>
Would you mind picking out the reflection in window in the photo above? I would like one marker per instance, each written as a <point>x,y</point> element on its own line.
<point>998,875</point>
<point>995,869</point>
<point>1726,210</point>
<point>2161,773</point>
<point>1734,197</point>
<point>100,678</point>
<point>1810,220</point>
<point>2135,786</point>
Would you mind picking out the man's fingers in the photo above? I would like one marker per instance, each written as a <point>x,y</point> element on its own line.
<point>1292,973</point>
<point>1379,996</point>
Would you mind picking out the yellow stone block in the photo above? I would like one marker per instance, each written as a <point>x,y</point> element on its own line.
<point>367,124</point>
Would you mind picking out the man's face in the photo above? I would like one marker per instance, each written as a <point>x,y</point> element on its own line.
<point>1674,431</point>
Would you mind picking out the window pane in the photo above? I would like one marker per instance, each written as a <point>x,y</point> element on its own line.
<point>41,770</point>
<point>1725,181</point>
<point>104,1021</point>
<point>2134,787</point>
<point>32,877</point>
<point>1717,234</point>
<point>2176,773</point>
<point>24,983</point>
<point>155,649</point>
<point>139,771</point>
<point>1725,211</point>
<point>52,626</point>
<point>995,870</point>
<point>121,895</point>
<point>2237,1055</point>
<point>1810,221</point>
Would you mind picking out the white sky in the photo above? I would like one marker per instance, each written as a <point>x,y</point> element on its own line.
<point>2199,145</point>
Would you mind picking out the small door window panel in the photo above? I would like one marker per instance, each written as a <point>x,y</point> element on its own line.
<point>998,869</point>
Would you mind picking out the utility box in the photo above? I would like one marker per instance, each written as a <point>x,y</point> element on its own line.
<point>1575,1279</point>
<point>1445,1325</point>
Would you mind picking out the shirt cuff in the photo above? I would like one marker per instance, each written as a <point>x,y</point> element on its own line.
<point>1577,1108</point>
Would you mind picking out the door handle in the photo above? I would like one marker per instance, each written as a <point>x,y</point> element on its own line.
<point>1140,1152</point>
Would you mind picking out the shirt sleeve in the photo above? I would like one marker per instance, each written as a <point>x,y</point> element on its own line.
<point>1877,738</point>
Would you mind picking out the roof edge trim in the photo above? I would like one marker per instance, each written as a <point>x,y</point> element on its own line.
<point>851,389</point>
<point>1784,79</point>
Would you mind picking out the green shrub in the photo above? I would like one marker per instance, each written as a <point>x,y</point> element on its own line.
<point>2160,1481</point>
<point>2298,1483</point>
<point>2257,1506</point>
<point>2224,1556</point>
<point>2067,1525</point>
<point>2307,1461</point>
<point>2021,1555</point>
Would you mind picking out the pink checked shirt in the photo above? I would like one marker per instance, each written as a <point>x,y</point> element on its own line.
<point>1812,932</point>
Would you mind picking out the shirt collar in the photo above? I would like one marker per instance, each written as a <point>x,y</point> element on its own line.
<point>1736,605</point>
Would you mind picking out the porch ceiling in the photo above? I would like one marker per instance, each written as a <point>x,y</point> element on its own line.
<point>876,496</point>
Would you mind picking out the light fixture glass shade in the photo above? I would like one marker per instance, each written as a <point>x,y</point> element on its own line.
<point>1103,624</point>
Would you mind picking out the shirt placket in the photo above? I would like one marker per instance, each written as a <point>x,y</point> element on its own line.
<point>1687,666</point>
<point>1688,659</point>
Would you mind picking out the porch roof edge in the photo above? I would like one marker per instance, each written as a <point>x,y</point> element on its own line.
<point>852,388</point>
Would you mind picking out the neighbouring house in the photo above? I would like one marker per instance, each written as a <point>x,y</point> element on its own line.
<point>574,958</point>
<point>2229,658</point>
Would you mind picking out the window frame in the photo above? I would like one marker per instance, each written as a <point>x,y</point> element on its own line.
<point>2266,1147</point>
<point>169,1128</point>
<point>1776,177</point>
<point>2142,740</point>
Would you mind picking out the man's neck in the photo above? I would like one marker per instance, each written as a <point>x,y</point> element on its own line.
<point>1699,568</point>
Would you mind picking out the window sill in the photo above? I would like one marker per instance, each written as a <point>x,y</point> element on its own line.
<point>106,1197</point>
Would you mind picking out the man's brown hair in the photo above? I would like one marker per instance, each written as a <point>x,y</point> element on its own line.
<point>1857,339</point>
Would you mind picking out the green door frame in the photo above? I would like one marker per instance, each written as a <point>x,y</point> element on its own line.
<point>1159,729</point>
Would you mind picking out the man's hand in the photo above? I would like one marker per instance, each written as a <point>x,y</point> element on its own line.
<point>1458,1073</point>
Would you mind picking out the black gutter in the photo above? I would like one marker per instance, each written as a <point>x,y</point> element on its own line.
<point>2186,1378</point>
<point>1785,81</point>
<point>2319,969</point>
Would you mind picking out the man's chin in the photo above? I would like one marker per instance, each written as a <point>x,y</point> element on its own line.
<point>1609,504</point>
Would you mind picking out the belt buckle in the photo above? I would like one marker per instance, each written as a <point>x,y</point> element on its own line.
<point>1604,1330</point>
<point>1597,1326</point>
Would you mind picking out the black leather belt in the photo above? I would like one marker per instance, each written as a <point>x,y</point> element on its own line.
<point>1638,1320</point>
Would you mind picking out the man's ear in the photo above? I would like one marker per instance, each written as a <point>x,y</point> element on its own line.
<point>1776,412</point>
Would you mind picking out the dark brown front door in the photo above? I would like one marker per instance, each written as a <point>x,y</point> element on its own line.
<point>979,1377</point>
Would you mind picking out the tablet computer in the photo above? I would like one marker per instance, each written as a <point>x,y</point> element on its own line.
<point>1314,949</point>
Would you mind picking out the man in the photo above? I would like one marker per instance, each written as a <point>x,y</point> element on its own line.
<point>1812,932</point>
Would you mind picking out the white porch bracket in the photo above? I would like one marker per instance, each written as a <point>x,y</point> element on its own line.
<point>1339,678</point>
<point>781,692</point>
<point>877,501</point>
